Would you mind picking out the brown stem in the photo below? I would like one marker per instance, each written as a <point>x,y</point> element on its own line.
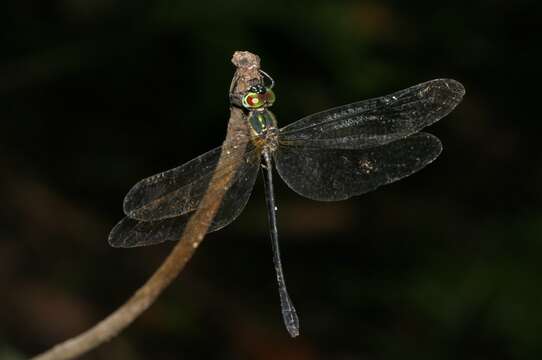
<point>236,139</point>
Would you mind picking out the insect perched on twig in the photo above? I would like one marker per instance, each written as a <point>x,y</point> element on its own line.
<point>328,156</point>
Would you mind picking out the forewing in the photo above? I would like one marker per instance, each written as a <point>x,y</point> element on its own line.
<point>131,232</point>
<point>337,174</point>
<point>377,121</point>
<point>179,191</point>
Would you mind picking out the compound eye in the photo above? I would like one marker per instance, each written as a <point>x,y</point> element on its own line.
<point>269,97</point>
<point>253,100</point>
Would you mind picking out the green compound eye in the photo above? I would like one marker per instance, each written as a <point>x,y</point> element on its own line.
<point>253,100</point>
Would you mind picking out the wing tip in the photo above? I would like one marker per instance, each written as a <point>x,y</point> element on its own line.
<point>130,204</point>
<point>451,86</point>
<point>113,239</point>
<point>124,234</point>
<point>456,87</point>
<point>139,195</point>
<point>437,148</point>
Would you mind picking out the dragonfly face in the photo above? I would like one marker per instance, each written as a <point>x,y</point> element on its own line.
<point>258,97</point>
<point>262,122</point>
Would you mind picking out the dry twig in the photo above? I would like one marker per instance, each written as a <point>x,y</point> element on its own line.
<point>237,137</point>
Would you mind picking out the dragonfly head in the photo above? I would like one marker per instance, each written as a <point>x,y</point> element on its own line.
<point>258,97</point>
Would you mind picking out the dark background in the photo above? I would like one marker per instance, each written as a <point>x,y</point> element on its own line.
<point>97,94</point>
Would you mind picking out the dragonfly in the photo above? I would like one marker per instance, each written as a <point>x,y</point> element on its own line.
<point>327,156</point>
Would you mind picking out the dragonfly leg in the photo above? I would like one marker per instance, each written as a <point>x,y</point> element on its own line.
<point>236,99</point>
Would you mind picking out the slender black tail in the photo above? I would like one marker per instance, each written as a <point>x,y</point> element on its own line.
<point>289,314</point>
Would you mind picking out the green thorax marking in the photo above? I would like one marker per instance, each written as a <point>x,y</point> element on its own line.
<point>261,120</point>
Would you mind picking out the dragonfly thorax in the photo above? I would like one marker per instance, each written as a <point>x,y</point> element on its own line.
<point>261,122</point>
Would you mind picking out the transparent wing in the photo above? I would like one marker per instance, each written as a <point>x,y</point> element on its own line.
<point>336,174</point>
<point>377,121</point>
<point>178,191</point>
<point>131,232</point>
